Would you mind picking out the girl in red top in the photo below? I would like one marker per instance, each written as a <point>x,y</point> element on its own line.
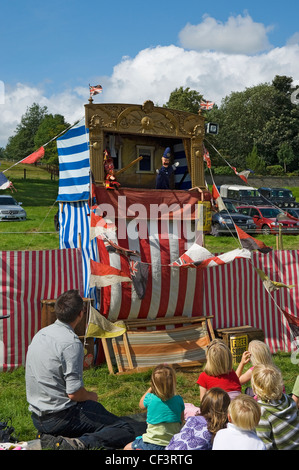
<point>218,371</point>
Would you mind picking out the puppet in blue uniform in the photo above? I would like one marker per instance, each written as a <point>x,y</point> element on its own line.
<point>166,170</point>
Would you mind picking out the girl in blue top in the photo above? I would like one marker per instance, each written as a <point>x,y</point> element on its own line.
<point>165,411</point>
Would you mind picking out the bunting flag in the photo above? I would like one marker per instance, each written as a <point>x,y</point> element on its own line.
<point>4,182</point>
<point>34,157</point>
<point>95,90</point>
<point>198,256</point>
<point>243,174</point>
<point>100,226</point>
<point>270,285</point>
<point>115,248</point>
<point>207,105</point>
<point>217,198</point>
<point>293,322</point>
<point>139,275</point>
<point>74,165</point>
<point>251,243</point>
<point>102,275</point>
<point>99,327</point>
<point>206,157</point>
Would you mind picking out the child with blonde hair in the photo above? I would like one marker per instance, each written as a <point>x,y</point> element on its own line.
<point>218,371</point>
<point>243,416</point>
<point>199,431</point>
<point>258,353</point>
<point>279,424</point>
<point>165,411</point>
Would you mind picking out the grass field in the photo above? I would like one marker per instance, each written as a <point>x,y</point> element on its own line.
<point>118,393</point>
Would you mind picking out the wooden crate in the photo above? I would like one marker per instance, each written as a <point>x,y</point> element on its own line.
<point>238,338</point>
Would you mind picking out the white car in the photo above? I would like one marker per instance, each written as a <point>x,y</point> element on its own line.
<point>10,209</point>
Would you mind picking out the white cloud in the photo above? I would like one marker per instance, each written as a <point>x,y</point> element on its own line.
<point>294,39</point>
<point>239,35</point>
<point>153,74</point>
<point>19,99</point>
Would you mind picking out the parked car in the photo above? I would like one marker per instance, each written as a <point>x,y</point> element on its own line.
<point>239,194</point>
<point>11,210</point>
<point>268,219</point>
<point>293,211</point>
<point>281,197</point>
<point>223,221</point>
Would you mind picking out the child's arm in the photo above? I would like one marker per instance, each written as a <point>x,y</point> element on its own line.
<point>202,391</point>
<point>247,375</point>
<point>141,405</point>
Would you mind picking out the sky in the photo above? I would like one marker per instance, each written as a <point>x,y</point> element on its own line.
<point>50,52</point>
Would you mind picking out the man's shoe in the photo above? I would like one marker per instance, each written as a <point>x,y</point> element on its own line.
<point>67,443</point>
<point>60,442</point>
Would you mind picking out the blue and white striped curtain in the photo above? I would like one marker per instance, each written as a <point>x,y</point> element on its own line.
<point>74,164</point>
<point>74,194</point>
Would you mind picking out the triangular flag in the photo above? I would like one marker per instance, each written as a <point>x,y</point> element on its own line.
<point>271,285</point>
<point>102,275</point>
<point>4,182</point>
<point>251,243</point>
<point>100,226</point>
<point>293,322</point>
<point>198,256</point>
<point>99,327</point>
<point>34,157</point>
<point>217,198</point>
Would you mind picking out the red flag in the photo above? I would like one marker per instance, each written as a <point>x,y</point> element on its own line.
<point>217,198</point>
<point>243,174</point>
<point>35,156</point>
<point>293,322</point>
<point>198,256</point>
<point>206,157</point>
<point>102,275</point>
<point>100,226</point>
<point>251,243</point>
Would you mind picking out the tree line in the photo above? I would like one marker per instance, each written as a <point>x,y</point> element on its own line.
<point>258,129</point>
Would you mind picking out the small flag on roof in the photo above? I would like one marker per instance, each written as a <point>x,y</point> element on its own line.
<point>207,105</point>
<point>95,90</point>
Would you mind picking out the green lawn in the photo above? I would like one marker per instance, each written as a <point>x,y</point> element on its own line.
<point>118,393</point>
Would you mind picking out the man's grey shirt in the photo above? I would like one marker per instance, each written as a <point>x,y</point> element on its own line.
<point>54,368</point>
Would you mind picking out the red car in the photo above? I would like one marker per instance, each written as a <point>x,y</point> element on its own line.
<point>265,218</point>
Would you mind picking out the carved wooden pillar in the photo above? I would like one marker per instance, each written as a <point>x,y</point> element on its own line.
<point>96,143</point>
<point>197,166</point>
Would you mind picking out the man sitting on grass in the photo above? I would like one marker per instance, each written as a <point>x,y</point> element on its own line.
<point>65,414</point>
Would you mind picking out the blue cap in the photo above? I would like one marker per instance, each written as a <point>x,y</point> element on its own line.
<point>166,153</point>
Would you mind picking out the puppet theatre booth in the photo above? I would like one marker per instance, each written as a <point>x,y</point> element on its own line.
<point>153,293</point>
<point>157,293</point>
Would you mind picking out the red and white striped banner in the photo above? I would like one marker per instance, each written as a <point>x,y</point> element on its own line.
<point>235,295</point>
<point>27,278</point>
<point>232,291</point>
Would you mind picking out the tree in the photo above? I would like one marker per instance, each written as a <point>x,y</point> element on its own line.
<point>285,155</point>
<point>184,100</point>
<point>50,127</point>
<point>21,144</point>
<point>255,163</point>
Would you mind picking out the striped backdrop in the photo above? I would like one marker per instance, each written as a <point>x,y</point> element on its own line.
<point>27,278</point>
<point>74,232</point>
<point>234,293</point>
<point>74,165</point>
